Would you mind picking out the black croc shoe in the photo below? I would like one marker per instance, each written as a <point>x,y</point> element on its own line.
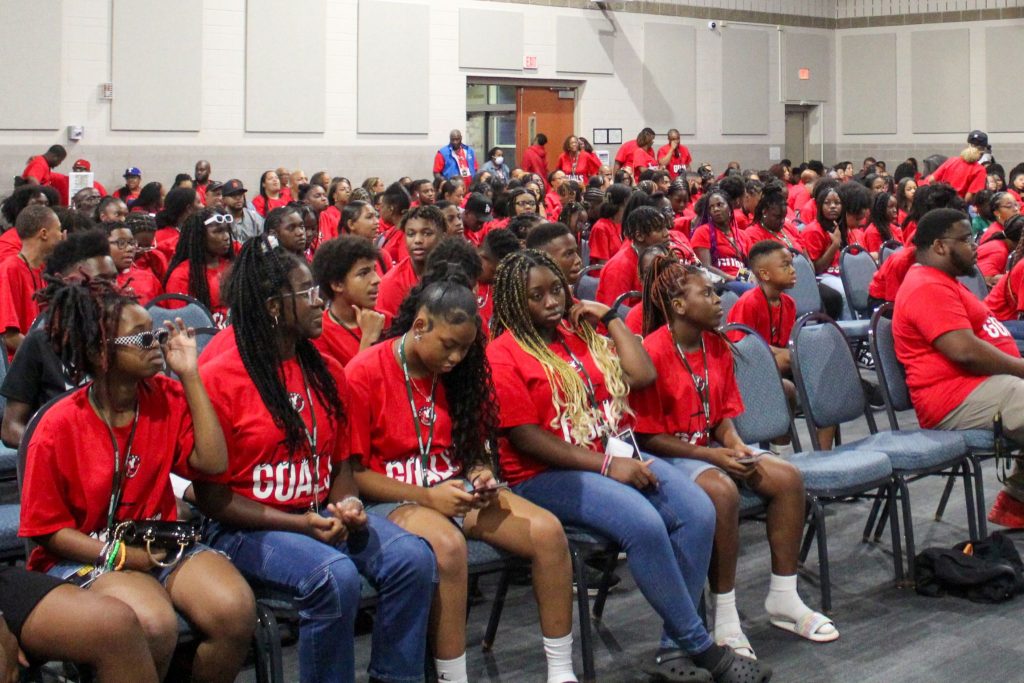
<point>675,666</point>
<point>734,668</point>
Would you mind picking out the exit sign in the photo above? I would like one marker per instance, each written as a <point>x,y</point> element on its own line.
<point>530,62</point>
<point>805,74</point>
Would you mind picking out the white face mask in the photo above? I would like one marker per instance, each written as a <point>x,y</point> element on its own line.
<point>498,161</point>
<point>985,158</point>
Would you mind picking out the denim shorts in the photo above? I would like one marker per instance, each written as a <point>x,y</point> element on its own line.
<point>81,574</point>
<point>385,509</point>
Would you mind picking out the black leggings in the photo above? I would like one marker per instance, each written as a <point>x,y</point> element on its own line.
<point>831,301</point>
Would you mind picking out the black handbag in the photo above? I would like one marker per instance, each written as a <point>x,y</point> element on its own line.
<point>174,538</point>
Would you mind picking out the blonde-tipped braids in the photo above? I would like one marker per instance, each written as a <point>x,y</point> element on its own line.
<point>568,391</point>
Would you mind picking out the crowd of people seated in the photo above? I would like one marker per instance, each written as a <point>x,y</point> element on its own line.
<point>404,366</point>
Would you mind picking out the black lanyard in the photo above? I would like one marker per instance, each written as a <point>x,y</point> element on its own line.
<point>701,385</point>
<point>117,486</point>
<point>342,326</point>
<point>36,284</point>
<point>429,415</point>
<point>772,339</point>
<point>311,439</point>
<point>588,385</point>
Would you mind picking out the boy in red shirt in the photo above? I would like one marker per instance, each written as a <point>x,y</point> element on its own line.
<point>962,365</point>
<point>767,309</point>
<point>38,170</point>
<point>556,240</point>
<point>123,248</point>
<point>422,229</point>
<point>21,275</point>
<point>645,227</point>
<point>394,204</point>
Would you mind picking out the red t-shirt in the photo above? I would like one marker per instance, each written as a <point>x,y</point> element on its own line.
<point>340,342</point>
<point>394,286</point>
<point>635,319</point>
<point>817,242</point>
<point>679,245</point>
<point>394,242</point>
<point>154,260</point>
<point>328,223</point>
<point>964,177</point>
<point>625,154</point>
<point>672,405</point>
<point>620,275</point>
<point>682,222</point>
<point>37,168</point>
<point>743,221</point>
<point>678,162</point>
<point>485,305</point>
<point>605,239</point>
<point>223,341</point>
<point>381,429</point>
<point>809,211</point>
<point>992,257</point>
<point>990,232</point>
<point>725,257</point>
<point>798,196</point>
<point>929,304</point>
<point>787,235</point>
<point>18,284</point>
<point>887,280</point>
<point>642,160</point>
<point>10,243</point>
<point>578,168</point>
<point>773,323</point>
<point>1006,300</point>
<point>873,240</point>
<point>68,480</point>
<point>142,282</point>
<point>177,283</point>
<point>261,467</point>
<point>524,398</point>
<point>166,241</point>
<point>553,205</point>
<point>259,204</point>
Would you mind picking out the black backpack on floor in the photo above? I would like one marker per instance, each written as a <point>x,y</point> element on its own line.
<point>992,572</point>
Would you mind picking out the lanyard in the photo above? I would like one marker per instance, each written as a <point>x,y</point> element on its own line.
<point>426,416</point>
<point>343,326</point>
<point>36,284</point>
<point>588,383</point>
<point>117,486</point>
<point>772,339</point>
<point>311,438</point>
<point>701,385</point>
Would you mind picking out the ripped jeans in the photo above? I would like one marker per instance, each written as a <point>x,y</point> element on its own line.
<point>326,582</point>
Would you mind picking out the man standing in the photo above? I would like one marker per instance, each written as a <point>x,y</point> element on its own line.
<point>202,179</point>
<point>966,173</point>
<point>963,367</point>
<point>674,157</point>
<point>38,170</point>
<point>455,160</point>
<point>247,223</point>
<point>21,275</point>
<point>535,158</point>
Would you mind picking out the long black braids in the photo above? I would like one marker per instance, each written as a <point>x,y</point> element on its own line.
<point>880,215</point>
<point>260,273</point>
<point>192,248</point>
<point>664,281</point>
<point>446,293</point>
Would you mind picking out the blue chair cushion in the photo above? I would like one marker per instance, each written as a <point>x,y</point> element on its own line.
<point>854,328</point>
<point>8,462</point>
<point>914,449</point>
<point>825,472</point>
<point>481,554</point>
<point>10,519</point>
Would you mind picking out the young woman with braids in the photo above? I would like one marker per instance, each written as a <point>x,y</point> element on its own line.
<point>1006,300</point>
<point>686,418</point>
<point>429,463</point>
<point>719,244</point>
<point>826,237</point>
<point>882,227</point>
<point>562,394</point>
<point>132,426</point>
<point>287,510</point>
<point>287,226</point>
<point>606,234</point>
<point>205,251</point>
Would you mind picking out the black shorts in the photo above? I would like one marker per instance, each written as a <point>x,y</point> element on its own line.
<point>20,592</point>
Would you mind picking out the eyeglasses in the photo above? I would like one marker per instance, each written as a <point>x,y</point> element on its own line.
<point>527,203</point>
<point>219,218</point>
<point>123,243</point>
<point>143,340</point>
<point>312,294</point>
<point>966,239</point>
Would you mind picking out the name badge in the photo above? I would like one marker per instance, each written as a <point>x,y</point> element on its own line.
<point>464,172</point>
<point>623,445</point>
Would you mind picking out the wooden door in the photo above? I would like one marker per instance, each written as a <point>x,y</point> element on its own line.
<point>541,110</point>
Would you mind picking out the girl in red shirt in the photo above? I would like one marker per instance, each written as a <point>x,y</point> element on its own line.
<point>565,445</point>
<point>288,228</point>
<point>770,219</point>
<point>679,196</point>
<point>338,193</point>
<point>287,510</point>
<point>905,191</point>
<point>132,426</point>
<point>606,234</point>
<point>686,417</point>
<point>180,203</point>
<point>496,246</point>
<point>721,247</point>
<point>270,195</point>
<point>432,464</point>
<point>345,268</point>
<point>883,225</point>
<point>204,253</point>
<point>123,247</point>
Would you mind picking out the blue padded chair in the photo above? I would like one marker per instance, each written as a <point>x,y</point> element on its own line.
<point>8,455</point>
<point>728,299</point>
<point>889,248</point>
<point>831,394</point>
<point>828,475</point>
<point>586,287</point>
<point>808,298</point>
<point>856,268</point>
<point>193,313</point>
<point>622,305</point>
<point>892,380</point>
<point>976,283</point>
<point>203,337</point>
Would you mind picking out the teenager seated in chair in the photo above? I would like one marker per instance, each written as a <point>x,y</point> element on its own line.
<point>561,392</point>
<point>644,227</point>
<point>721,246</point>
<point>205,251</point>
<point>994,254</point>
<point>1006,298</point>
<point>686,418</point>
<point>430,468</point>
<point>963,367</point>
<point>131,427</point>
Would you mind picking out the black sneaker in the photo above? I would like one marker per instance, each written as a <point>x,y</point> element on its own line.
<point>594,577</point>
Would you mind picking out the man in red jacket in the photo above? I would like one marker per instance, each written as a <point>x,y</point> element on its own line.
<point>535,158</point>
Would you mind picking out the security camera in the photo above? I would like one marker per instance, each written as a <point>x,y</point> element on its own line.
<point>712,25</point>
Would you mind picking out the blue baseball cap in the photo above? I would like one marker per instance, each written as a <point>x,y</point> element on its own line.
<point>133,171</point>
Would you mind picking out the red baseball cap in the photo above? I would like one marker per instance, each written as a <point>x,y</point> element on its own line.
<point>83,163</point>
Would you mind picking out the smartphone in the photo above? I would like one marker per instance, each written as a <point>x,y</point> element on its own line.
<point>476,492</point>
<point>750,459</point>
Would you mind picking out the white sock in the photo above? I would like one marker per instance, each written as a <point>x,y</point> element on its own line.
<point>783,599</point>
<point>452,670</point>
<point>559,654</point>
<point>727,619</point>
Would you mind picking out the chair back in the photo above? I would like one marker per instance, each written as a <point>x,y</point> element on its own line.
<point>766,414</point>
<point>976,283</point>
<point>889,248</point>
<point>826,374</point>
<point>805,293</point>
<point>856,268</point>
<point>193,313</point>
<point>30,429</point>
<point>203,337</point>
<point>586,287</point>
<point>892,378</point>
<point>621,304</point>
<point>585,251</point>
<point>728,299</point>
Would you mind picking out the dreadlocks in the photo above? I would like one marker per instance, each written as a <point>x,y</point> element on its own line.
<point>446,293</point>
<point>192,248</point>
<point>261,273</point>
<point>663,281</point>
<point>568,392</point>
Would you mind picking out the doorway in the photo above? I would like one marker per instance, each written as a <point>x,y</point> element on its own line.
<point>551,111</point>
<point>798,132</point>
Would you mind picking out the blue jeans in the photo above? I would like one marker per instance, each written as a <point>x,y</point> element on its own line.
<point>326,583</point>
<point>1016,328</point>
<point>666,532</point>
